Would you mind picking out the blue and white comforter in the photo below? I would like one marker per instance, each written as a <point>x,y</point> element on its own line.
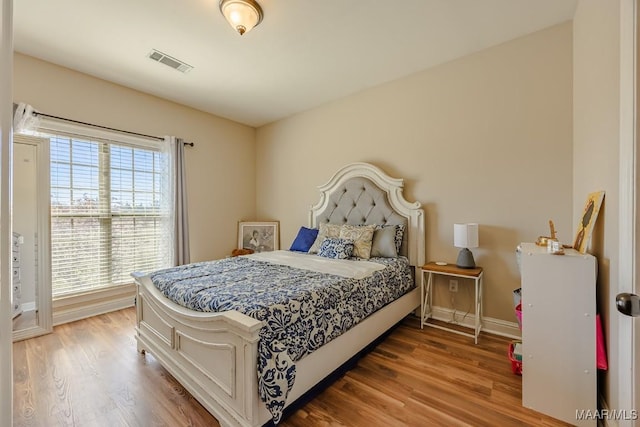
<point>301,309</point>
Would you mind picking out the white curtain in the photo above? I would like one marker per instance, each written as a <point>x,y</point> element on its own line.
<point>24,119</point>
<point>181,254</point>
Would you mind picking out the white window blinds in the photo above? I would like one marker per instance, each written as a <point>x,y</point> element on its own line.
<point>111,210</point>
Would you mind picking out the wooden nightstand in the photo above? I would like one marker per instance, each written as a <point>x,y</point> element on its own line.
<point>426,291</point>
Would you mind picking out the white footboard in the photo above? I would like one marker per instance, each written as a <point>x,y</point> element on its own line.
<point>213,355</point>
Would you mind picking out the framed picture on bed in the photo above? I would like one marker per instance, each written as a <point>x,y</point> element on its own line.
<point>261,236</point>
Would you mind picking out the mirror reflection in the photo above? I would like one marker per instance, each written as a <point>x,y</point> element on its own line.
<point>29,215</point>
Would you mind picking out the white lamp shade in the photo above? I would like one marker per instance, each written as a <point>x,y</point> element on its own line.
<point>465,235</point>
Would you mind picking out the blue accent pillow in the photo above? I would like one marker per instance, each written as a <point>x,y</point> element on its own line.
<point>336,248</point>
<point>304,239</point>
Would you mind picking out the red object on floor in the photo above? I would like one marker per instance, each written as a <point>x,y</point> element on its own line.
<point>516,365</point>
<point>601,354</point>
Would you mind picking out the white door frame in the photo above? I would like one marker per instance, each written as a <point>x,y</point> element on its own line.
<point>6,149</point>
<point>628,331</point>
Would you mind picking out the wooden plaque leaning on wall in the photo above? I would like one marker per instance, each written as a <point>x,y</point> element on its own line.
<point>587,221</point>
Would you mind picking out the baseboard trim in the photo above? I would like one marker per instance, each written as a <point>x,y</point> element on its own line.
<point>88,305</point>
<point>101,305</point>
<point>489,324</point>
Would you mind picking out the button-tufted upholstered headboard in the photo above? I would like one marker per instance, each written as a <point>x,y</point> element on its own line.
<point>361,194</point>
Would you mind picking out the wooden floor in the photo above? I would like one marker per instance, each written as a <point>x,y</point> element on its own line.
<point>88,373</point>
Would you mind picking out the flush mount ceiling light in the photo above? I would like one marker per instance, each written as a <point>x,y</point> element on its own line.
<point>242,15</point>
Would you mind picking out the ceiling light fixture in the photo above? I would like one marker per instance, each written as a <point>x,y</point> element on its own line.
<point>242,15</point>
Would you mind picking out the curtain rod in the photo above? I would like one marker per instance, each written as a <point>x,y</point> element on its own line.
<point>159,138</point>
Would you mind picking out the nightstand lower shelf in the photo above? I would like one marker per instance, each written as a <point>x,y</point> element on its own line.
<point>428,272</point>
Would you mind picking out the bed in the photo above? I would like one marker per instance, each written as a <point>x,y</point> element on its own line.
<point>218,356</point>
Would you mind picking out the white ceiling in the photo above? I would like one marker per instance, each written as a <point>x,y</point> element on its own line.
<point>303,54</point>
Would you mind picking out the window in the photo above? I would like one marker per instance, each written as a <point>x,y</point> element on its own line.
<point>110,212</point>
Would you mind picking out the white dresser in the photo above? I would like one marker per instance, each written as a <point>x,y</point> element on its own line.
<point>559,374</point>
<point>16,294</point>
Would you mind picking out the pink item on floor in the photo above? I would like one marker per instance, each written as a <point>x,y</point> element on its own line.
<point>601,355</point>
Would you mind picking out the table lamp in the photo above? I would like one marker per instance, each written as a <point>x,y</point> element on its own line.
<point>465,236</point>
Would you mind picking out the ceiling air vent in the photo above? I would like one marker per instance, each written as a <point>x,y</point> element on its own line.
<point>170,61</point>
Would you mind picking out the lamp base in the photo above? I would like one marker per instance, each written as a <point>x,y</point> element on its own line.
<point>465,259</point>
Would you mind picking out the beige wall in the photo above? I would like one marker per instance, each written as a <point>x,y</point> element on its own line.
<point>596,162</point>
<point>220,168</point>
<point>486,138</point>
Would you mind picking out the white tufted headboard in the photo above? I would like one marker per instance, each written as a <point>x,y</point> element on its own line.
<point>362,194</point>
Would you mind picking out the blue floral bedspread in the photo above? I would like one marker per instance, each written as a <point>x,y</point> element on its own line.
<point>301,309</point>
